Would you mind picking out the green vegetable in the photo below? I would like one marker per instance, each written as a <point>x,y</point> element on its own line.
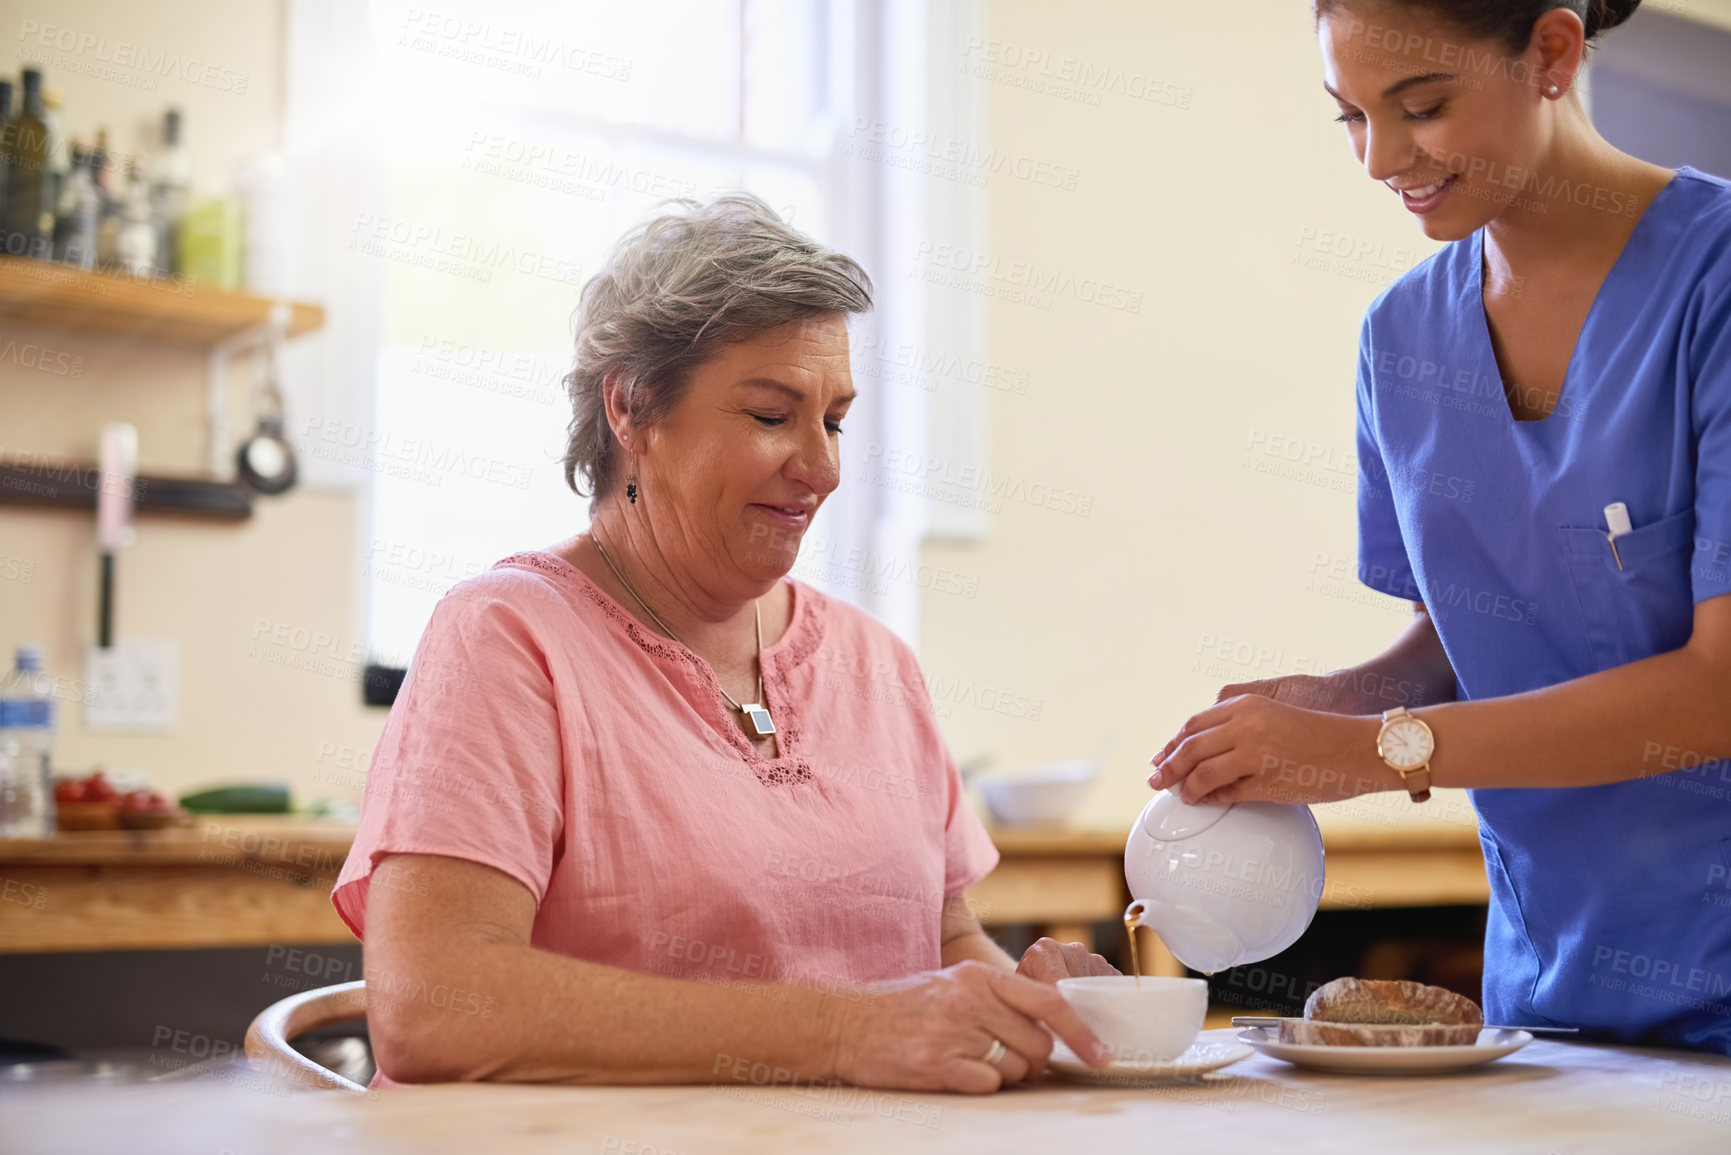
<point>266,798</point>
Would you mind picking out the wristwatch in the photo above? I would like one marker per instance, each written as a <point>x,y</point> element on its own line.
<point>1406,744</point>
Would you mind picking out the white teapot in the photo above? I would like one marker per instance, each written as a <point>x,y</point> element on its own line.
<point>1224,885</point>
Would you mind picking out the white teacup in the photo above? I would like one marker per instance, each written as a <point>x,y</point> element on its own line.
<point>1147,1023</point>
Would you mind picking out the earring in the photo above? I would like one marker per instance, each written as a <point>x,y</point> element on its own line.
<point>1553,91</point>
<point>630,482</point>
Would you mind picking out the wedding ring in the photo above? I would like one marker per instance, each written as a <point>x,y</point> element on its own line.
<point>995,1052</point>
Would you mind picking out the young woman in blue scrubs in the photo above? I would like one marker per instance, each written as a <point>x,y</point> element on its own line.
<point>1568,351</point>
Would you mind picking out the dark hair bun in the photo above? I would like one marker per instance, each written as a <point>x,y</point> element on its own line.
<point>1604,15</point>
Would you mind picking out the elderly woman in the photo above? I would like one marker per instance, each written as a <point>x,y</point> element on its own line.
<point>645,810</point>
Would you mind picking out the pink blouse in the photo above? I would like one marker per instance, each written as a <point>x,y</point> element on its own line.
<point>542,731</point>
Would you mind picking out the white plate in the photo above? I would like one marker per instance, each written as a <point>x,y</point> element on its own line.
<point>1493,1044</point>
<point>1199,1059</point>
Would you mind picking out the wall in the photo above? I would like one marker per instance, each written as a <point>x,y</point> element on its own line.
<point>1206,556</point>
<point>245,711</point>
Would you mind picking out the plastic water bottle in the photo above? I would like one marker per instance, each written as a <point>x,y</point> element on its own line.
<point>26,748</point>
<point>10,798</point>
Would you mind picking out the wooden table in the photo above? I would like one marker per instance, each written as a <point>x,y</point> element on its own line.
<point>1063,880</point>
<point>222,881</point>
<point>1550,1097</point>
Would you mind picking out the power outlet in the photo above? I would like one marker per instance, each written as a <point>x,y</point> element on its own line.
<point>133,687</point>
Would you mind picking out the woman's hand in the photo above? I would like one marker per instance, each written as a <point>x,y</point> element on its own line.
<point>1049,960</point>
<point>1254,747</point>
<point>1336,693</point>
<point>932,1032</point>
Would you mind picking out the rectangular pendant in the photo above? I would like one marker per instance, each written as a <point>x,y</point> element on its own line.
<point>758,719</point>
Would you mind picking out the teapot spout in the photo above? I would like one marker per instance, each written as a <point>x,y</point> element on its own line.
<point>1196,938</point>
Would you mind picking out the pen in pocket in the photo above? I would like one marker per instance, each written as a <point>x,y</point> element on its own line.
<point>1617,521</point>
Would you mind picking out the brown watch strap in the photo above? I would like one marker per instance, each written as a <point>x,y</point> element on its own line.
<point>1417,782</point>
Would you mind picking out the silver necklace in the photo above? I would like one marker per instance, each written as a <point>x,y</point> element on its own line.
<point>755,713</point>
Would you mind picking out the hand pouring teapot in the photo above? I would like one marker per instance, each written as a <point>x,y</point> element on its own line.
<point>1224,885</point>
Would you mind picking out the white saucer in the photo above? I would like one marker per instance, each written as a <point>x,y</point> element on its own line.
<point>1201,1058</point>
<point>1493,1044</point>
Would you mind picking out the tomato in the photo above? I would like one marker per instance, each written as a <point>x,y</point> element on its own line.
<point>69,791</point>
<point>97,788</point>
<point>147,801</point>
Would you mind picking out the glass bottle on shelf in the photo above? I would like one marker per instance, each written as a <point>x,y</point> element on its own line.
<point>27,214</point>
<point>135,240</point>
<point>77,214</point>
<point>99,164</point>
<point>172,175</point>
<point>108,210</point>
<point>59,157</point>
<point>5,144</point>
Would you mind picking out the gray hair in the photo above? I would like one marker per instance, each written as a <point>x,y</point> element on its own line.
<point>675,290</point>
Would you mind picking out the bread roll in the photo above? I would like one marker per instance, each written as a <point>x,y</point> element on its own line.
<point>1371,1013</point>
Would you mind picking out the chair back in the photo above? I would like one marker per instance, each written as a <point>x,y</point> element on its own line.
<point>267,1039</point>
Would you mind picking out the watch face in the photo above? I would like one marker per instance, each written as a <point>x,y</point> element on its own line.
<point>1406,744</point>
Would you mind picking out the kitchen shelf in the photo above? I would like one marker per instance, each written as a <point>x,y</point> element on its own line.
<point>159,311</point>
<point>71,485</point>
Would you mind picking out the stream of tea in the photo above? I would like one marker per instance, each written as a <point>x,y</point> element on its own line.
<point>1133,919</point>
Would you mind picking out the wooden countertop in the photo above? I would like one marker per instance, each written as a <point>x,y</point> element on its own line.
<point>223,880</point>
<point>276,838</point>
<point>285,838</point>
<point>1362,825</point>
<point>1550,1097</point>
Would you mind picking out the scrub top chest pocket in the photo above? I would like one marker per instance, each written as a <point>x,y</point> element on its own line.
<point>1646,605</point>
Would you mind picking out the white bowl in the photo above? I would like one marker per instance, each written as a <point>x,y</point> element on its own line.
<point>1042,796</point>
<point>1147,1022</point>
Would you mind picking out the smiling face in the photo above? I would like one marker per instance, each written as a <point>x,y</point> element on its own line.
<point>1455,126</point>
<point>733,475</point>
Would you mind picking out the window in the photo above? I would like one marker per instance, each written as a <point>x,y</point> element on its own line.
<point>519,142</point>
<point>459,172</point>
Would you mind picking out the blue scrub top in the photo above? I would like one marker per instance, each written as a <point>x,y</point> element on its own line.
<point>1610,905</point>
